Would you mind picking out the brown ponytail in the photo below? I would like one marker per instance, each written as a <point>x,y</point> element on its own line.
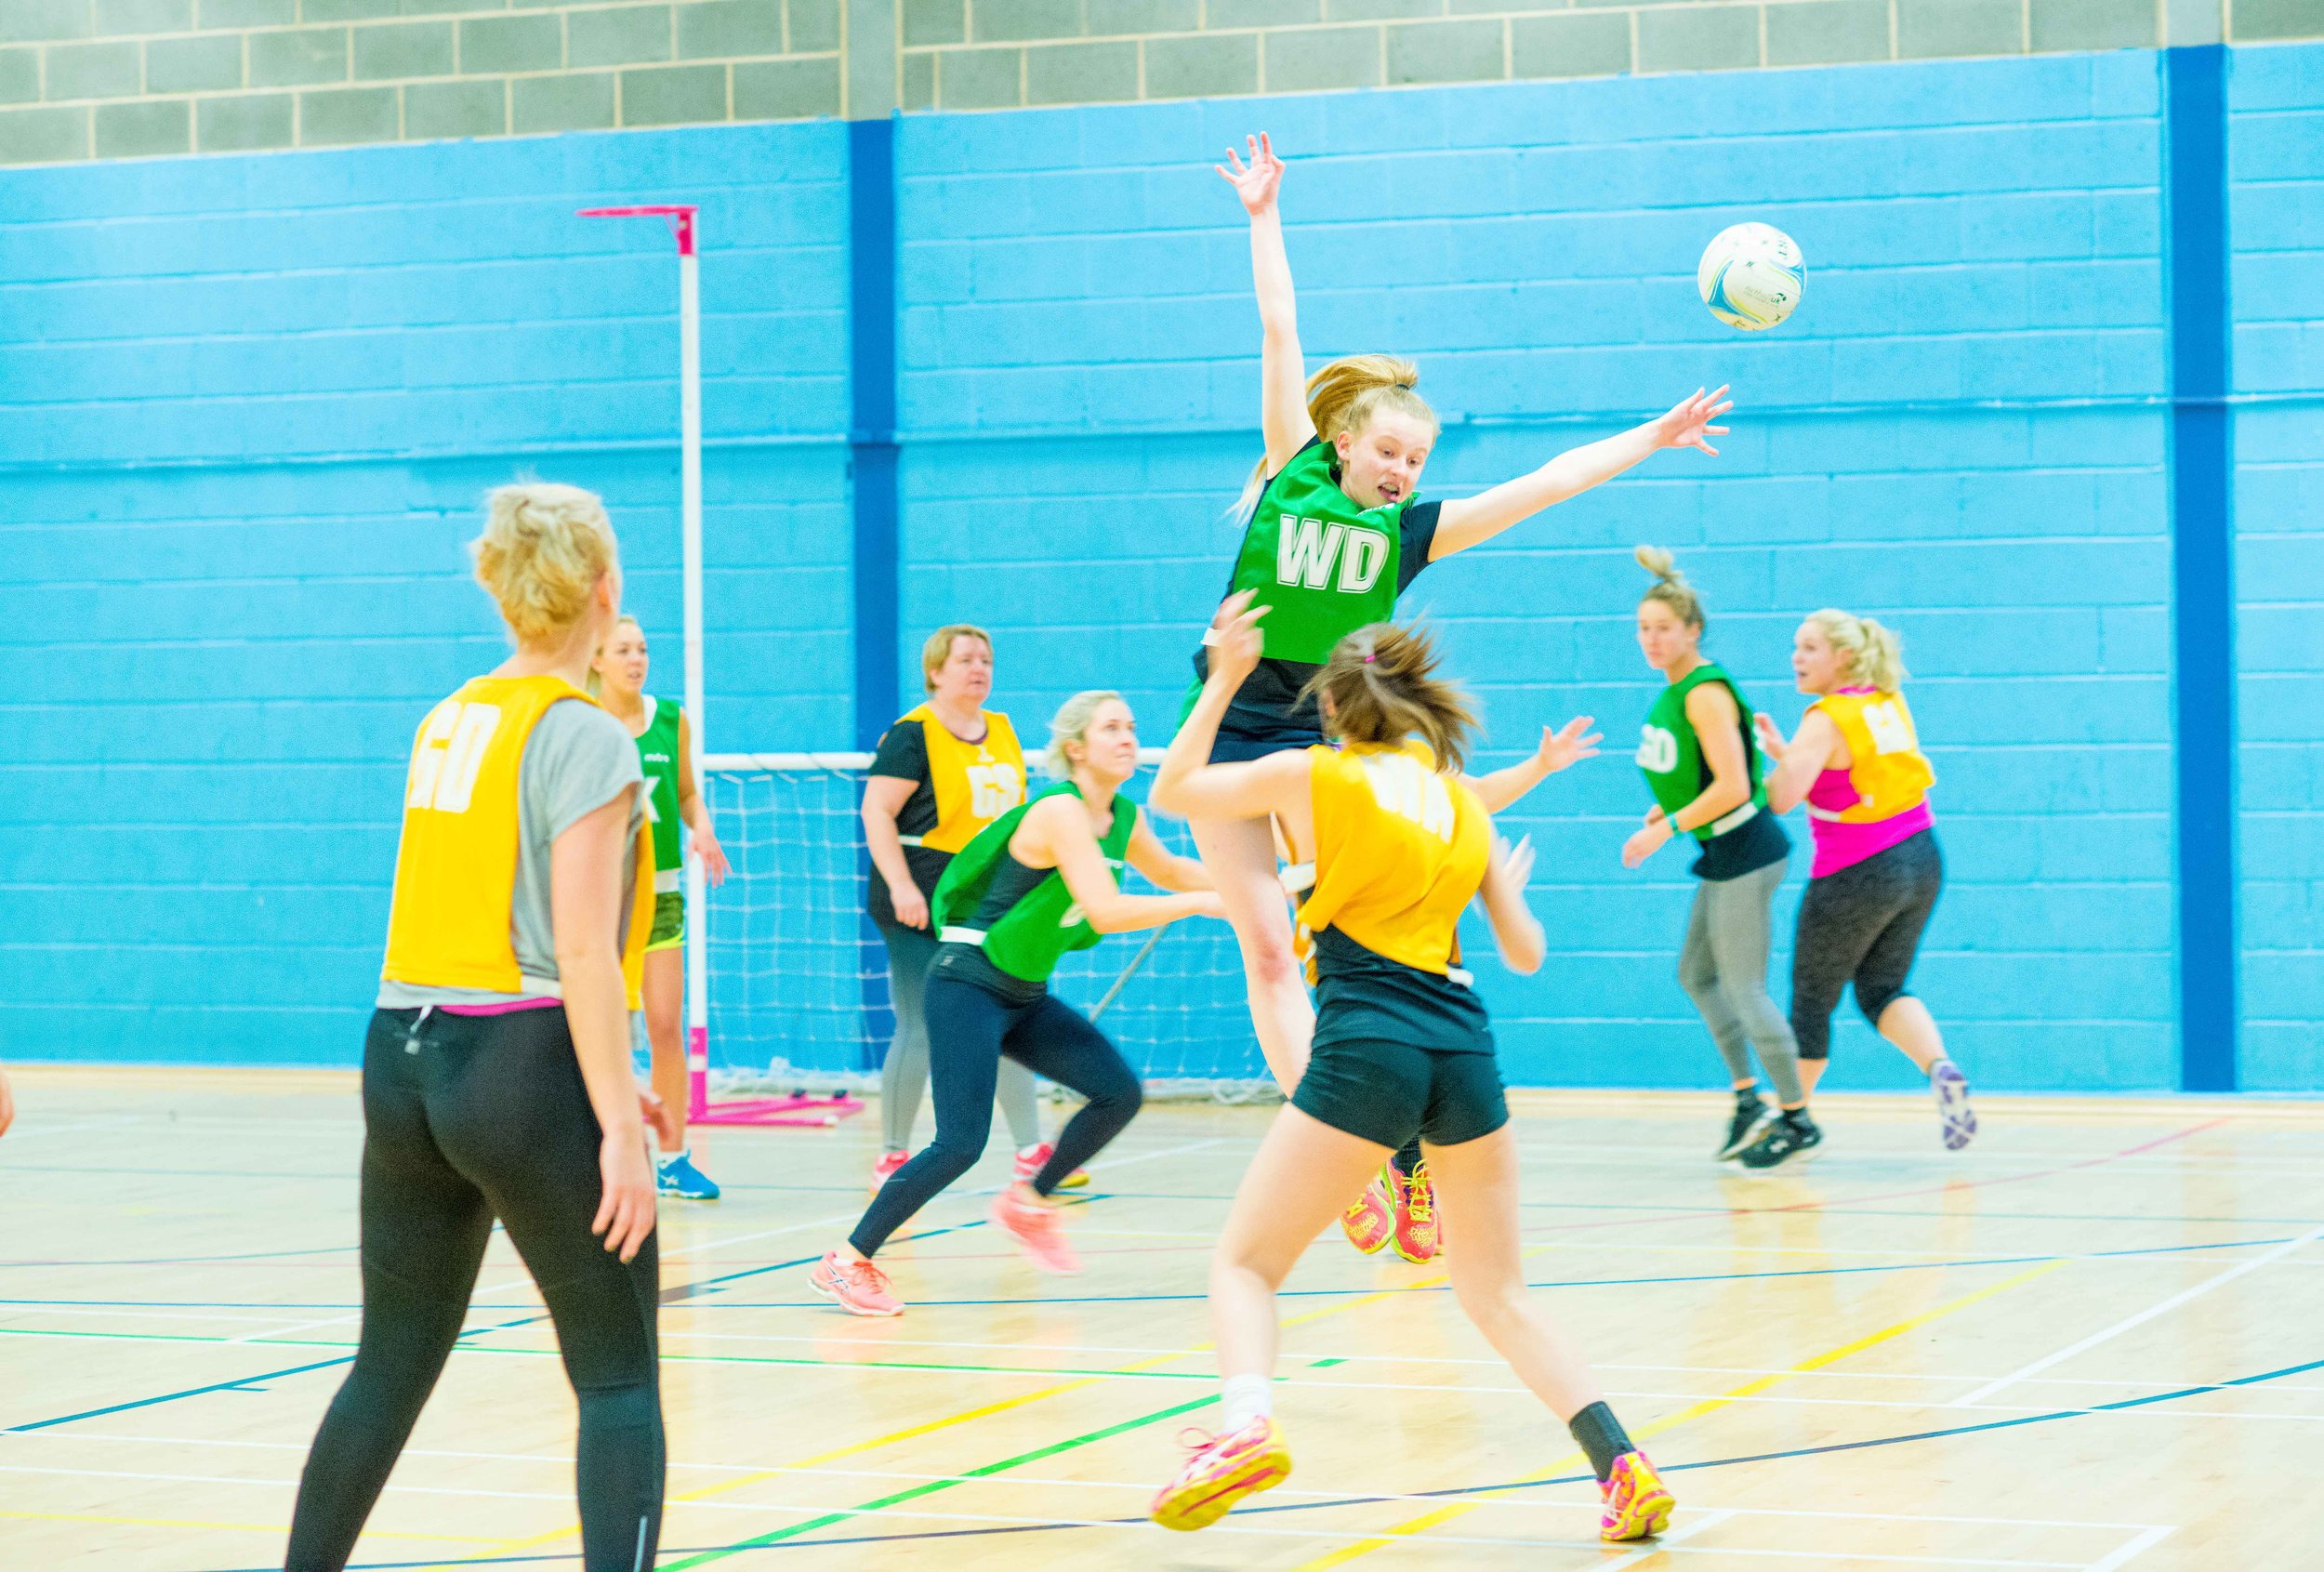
<point>1382,684</point>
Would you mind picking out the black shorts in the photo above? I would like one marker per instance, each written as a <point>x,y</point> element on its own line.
<point>1385,1092</point>
<point>1236,747</point>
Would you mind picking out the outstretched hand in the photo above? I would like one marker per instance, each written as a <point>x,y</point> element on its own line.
<point>1771,738</point>
<point>1570,744</point>
<point>1256,183</point>
<point>1235,640</point>
<point>1689,422</point>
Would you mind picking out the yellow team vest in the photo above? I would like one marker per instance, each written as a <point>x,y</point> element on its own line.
<point>1886,766</point>
<point>456,869</point>
<point>1400,852</point>
<point>975,783</point>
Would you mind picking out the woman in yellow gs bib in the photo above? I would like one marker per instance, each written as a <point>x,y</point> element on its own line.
<point>498,1081</point>
<point>1856,762</point>
<point>1402,1044</point>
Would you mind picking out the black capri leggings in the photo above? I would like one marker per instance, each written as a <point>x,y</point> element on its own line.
<point>1863,925</point>
<point>466,1118</point>
<point>969,1029</point>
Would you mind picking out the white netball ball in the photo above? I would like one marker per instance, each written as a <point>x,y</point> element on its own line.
<point>1752,276</point>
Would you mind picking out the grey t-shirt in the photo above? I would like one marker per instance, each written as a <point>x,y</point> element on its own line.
<point>577,759</point>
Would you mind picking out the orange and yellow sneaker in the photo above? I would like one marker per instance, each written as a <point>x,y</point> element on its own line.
<point>1221,1471</point>
<point>1636,1504</point>
<point>1030,1160</point>
<point>1419,1234</point>
<point>1372,1220</point>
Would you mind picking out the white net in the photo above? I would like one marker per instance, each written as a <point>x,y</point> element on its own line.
<point>799,978</point>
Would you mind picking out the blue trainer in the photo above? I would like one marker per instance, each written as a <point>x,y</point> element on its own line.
<point>678,1177</point>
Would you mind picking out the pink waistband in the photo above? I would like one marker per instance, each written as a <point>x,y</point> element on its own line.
<point>508,1008</point>
<point>1841,845</point>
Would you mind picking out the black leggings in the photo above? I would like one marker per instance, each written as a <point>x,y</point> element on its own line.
<point>1863,925</point>
<point>467,1119</point>
<point>969,1029</point>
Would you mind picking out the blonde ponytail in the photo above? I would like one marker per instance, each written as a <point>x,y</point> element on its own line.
<point>1343,396</point>
<point>1670,586</point>
<point>543,551</point>
<point>1875,654</point>
<point>1382,684</point>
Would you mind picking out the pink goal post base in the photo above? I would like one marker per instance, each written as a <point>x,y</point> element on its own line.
<point>796,1109</point>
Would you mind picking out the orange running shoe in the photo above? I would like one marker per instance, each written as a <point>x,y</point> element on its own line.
<point>1636,1504</point>
<point>887,1164</point>
<point>856,1287</point>
<point>1419,1236</point>
<point>1036,1228</point>
<point>1219,1472</point>
<point>1372,1220</point>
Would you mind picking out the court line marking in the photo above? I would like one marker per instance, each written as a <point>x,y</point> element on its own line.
<point>228,1528</point>
<point>2130,1322</point>
<point>2131,1552</point>
<point>1445,1514</point>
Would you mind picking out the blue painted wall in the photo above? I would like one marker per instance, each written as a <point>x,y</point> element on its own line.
<point>248,406</point>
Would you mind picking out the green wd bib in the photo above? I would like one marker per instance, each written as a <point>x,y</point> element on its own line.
<point>1323,566</point>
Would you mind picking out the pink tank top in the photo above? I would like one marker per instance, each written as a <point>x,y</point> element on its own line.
<point>1839,844</point>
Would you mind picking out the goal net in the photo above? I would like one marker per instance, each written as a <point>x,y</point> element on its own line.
<point>797,978</point>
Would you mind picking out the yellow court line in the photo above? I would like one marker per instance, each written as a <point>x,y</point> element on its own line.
<point>1695,1410</point>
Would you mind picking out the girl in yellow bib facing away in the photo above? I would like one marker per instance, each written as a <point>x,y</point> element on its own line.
<point>497,1078</point>
<point>1856,762</point>
<point>1402,1044</point>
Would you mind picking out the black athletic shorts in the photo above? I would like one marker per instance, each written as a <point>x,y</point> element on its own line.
<point>1385,1092</point>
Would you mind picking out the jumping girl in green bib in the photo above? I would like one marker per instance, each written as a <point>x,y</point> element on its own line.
<point>1333,535</point>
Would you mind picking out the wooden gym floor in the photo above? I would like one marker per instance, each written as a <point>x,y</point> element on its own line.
<point>2093,1341</point>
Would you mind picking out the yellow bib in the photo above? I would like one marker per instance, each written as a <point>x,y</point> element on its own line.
<point>1400,851</point>
<point>975,783</point>
<point>1886,766</point>
<point>456,869</point>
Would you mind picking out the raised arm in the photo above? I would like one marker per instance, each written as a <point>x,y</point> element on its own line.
<point>1565,745</point>
<point>1463,524</point>
<point>1057,828</point>
<point>1165,867</point>
<point>1516,931</point>
<point>1283,371</point>
<point>1800,760</point>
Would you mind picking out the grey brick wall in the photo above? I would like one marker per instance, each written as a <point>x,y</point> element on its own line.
<point>126,78</point>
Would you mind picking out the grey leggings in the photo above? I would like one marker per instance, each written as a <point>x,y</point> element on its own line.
<point>1723,970</point>
<point>903,1077</point>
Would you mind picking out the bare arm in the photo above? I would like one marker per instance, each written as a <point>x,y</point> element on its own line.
<point>1465,522</point>
<point>1710,709</point>
<point>693,810</point>
<point>1561,748</point>
<point>1516,931</point>
<point>1803,759</point>
<point>884,796</point>
<point>1282,370</point>
<point>1056,834</point>
<point>586,901</point>
<point>1164,866</point>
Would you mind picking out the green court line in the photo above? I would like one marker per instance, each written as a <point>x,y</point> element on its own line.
<point>829,1519</point>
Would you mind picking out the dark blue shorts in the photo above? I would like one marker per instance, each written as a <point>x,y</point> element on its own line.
<point>1232,747</point>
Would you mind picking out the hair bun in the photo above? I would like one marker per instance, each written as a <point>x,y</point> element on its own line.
<point>1658,562</point>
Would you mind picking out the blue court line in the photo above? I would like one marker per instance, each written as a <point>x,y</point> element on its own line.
<point>1454,1493</point>
<point>674,1296</point>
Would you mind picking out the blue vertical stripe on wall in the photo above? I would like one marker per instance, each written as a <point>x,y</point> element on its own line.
<point>2194,120</point>
<point>872,425</point>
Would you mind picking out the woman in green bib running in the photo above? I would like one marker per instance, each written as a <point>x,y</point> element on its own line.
<point>678,810</point>
<point>1333,535</point>
<point>1697,751</point>
<point>1035,884</point>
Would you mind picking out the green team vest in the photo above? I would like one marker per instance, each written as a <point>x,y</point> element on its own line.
<point>1673,757</point>
<point>1029,939</point>
<point>657,752</point>
<point>1322,565</point>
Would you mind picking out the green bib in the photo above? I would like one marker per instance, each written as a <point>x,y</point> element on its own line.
<point>1672,756</point>
<point>657,752</point>
<point>1323,566</point>
<point>1024,930</point>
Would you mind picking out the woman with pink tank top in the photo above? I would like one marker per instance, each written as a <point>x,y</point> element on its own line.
<point>1856,762</point>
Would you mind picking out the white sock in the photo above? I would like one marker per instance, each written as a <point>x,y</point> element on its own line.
<point>666,1158</point>
<point>1244,1398</point>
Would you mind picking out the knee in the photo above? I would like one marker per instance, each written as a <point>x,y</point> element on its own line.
<point>1875,998</point>
<point>1122,1098</point>
<point>1698,973</point>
